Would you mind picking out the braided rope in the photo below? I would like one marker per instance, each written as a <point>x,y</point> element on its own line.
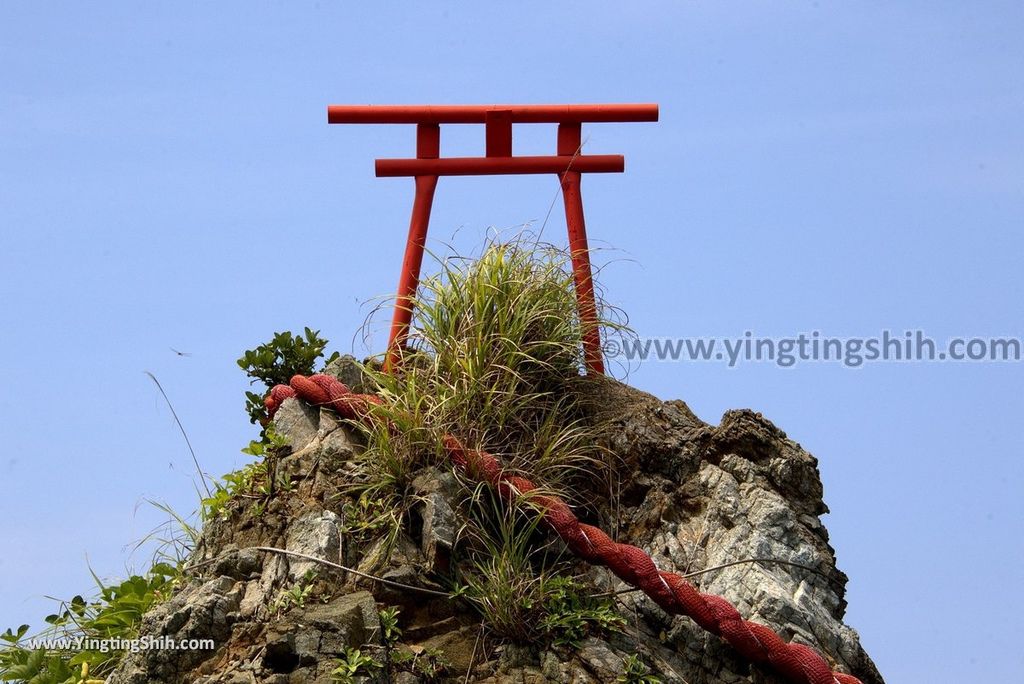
<point>759,644</point>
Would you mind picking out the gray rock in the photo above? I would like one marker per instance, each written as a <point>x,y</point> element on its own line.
<point>337,438</point>
<point>351,620</point>
<point>201,611</point>
<point>260,594</point>
<point>297,422</point>
<point>750,493</point>
<point>599,657</point>
<point>437,490</point>
<point>350,372</point>
<point>306,644</point>
<point>692,495</point>
<point>240,565</point>
<point>315,534</point>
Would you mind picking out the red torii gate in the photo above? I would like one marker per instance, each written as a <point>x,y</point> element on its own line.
<point>428,166</point>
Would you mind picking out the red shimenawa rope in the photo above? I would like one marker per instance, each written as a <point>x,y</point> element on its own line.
<point>757,643</point>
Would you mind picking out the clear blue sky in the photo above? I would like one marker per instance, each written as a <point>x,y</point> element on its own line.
<point>168,179</point>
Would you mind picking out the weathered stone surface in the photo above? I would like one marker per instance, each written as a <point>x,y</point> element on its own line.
<point>312,639</point>
<point>240,565</point>
<point>437,492</point>
<point>691,494</point>
<point>750,493</point>
<point>337,442</point>
<point>350,372</point>
<point>201,611</point>
<point>316,534</point>
<point>297,422</point>
<point>601,660</point>
<point>260,593</point>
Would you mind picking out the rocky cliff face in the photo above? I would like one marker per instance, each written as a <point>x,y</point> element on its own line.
<point>693,495</point>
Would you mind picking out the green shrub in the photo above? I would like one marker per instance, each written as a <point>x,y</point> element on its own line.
<point>252,482</point>
<point>429,665</point>
<point>354,665</point>
<point>636,672</point>
<point>296,596</point>
<point>275,362</point>
<point>115,614</point>
<point>571,613</point>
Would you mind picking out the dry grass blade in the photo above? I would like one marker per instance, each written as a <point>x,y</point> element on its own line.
<point>199,470</point>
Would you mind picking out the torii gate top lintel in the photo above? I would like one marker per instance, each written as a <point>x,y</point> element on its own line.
<point>470,114</point>
<point>428,165</point>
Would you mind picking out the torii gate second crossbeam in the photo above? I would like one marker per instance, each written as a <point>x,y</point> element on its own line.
<point>428,165</point>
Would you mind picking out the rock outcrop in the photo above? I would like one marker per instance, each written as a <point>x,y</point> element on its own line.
<point>693,495</point>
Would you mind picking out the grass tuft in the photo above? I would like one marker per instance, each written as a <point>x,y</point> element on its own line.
<point>492,355</point>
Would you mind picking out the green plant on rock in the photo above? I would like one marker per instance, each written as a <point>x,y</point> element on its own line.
<point>271,444</point>
<point>492,341</point>
<point>353,665</point>
<point>506,571</point>
<point>37,666</point>
<point>276,361</point>
<point>389,625</point>
<point>525,604</point>
<point>571,613</point>
<point>390,634</point>
<point>232,486</point>
<point>371,515</point>
<point>520,586</point>
<point>252,481</point>
<point>636,672</point>
<point>429,664</point>
<point>114,615</point>
<point>296,596</point>
<point>493,345</point>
